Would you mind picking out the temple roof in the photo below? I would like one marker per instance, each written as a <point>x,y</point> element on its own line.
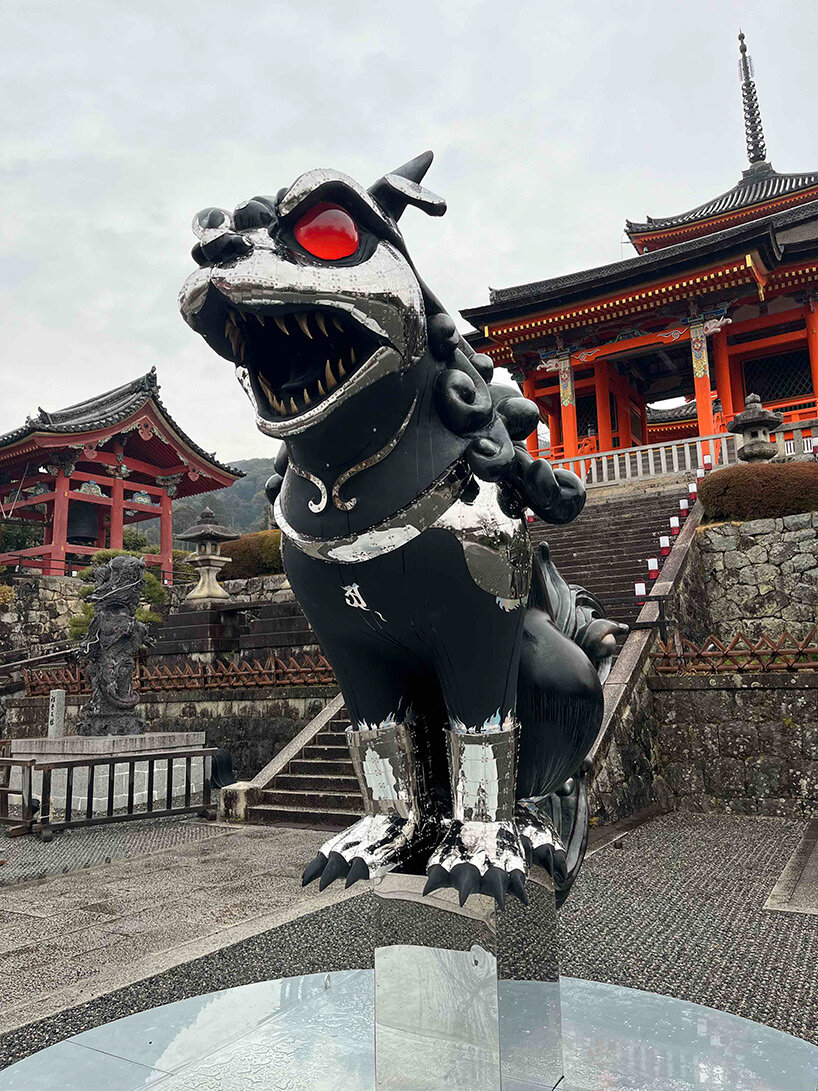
<point>757,185</point>
<point>105,410</point>
<point>685,412</point>
<point>758,234</point>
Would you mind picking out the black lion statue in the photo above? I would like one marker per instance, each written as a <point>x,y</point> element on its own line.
<point>470,670</point>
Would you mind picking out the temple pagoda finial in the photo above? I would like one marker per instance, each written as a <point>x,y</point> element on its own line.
<point>753,131</point>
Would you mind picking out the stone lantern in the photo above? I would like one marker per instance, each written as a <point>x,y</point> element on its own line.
<point>754,426</point>
<point>207,537</point>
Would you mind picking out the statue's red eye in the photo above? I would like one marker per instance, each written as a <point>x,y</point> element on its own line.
<point>327,231</point>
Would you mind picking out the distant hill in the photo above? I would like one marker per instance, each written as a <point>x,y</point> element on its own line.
<point>243,506</point>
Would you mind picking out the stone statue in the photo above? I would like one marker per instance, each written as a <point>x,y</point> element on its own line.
<point>111,647</point>
<point>471,672</point>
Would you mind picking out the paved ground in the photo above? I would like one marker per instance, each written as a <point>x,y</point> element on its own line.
<point>677,909</point>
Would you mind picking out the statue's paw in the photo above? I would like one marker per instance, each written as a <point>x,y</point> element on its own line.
<point>372,846</point>
<point>479,858</point>
<point>543,845</point>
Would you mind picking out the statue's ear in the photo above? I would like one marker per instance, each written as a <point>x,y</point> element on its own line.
<point>401,187</point>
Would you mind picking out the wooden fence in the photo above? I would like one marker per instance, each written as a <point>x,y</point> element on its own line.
<point>739,655</point>
<point>304,671</point>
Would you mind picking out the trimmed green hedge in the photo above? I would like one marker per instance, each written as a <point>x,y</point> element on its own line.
<point>766,490</point>
<point>257,554</point>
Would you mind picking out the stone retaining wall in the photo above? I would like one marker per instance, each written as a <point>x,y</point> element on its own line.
<point>761,576</point>
<point>39,613</point>
<point>739,743</point>
<point>251,724</point>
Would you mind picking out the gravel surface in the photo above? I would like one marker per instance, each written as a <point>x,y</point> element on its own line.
<point>677,909</point>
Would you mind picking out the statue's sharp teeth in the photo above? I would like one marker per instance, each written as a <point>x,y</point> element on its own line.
<point>306,397</point>
<point>352,355</point>
<point>282,325</point>
<point>260,319</point>
<point>293,406</point>
<point>321,390</point>
<point>242,350</point>
<point>337,324</point>
<point>301,319</point>
<point>341,371</point>
<point>329,378</point>
<point>265,386</point>
<point>319,318</point>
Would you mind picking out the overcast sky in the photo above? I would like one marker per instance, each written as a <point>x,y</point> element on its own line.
<point>551,123</point>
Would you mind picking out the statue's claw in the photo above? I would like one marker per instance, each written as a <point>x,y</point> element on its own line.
<point>479,857</point>
<point>542,843</point>
<point>314,869</point>
<point>372,846</point>
<point>337,867</point>
<point>359,869</point>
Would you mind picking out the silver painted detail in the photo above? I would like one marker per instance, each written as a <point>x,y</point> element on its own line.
<point>306,184</point>
<point>373,460</point>
<point>315,506</point>
<point>383,758</point>
<point>483,844</point>
<point>483,774</point>
<point>497,547</point>
<point>354,598</point>
<point>392,533</point>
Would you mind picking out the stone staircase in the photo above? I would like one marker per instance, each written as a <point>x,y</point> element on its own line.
<point>318,788</point>
<point>607,548</point>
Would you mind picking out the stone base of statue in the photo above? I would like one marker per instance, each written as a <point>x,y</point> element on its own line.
<point>111,723</point>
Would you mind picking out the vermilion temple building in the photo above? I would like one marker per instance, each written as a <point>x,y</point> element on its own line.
<point>719,302</point>
<point>85,472</point>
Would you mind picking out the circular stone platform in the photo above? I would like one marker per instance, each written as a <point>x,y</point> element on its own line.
<point>314,1033</point>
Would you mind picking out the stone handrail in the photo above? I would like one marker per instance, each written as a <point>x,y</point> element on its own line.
<point>277,764</point>
<point>634,656</point>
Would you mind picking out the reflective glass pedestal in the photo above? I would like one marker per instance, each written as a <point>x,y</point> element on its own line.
<point>466,998</point>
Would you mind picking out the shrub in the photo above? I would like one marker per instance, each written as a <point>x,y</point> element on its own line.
<point>257,554</point>
<point>6,596</point>
<point>766,490</point>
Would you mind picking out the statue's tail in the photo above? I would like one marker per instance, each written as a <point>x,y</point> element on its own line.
<point>567,652</point>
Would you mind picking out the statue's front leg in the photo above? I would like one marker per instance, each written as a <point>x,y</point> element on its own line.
<point>385,764</point>
<point>482,851</point>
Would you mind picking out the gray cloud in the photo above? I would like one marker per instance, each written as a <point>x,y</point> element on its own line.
<point>119,120</point>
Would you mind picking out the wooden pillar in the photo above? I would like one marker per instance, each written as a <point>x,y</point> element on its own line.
<point>554,434</point>
<point>701,379</point>
<point>166,537</point>
<point>117,514</point>
<point>602,389</point>
<point>644,414</point>
<point>623,412</point>
<point>532,442</point>
<point>736,385</point>
<point>59,524</point>
<point>724,386</point>
<point>568,408</point>
<point>811,317</point>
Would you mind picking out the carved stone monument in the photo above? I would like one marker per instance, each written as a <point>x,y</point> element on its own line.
<point>111,647</point>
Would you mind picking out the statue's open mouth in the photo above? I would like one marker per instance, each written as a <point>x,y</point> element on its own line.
<point>295,359</point>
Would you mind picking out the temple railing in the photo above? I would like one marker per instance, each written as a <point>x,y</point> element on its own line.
<point>308,670</point>
<point>797,439</point>
<point>653,460</point>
